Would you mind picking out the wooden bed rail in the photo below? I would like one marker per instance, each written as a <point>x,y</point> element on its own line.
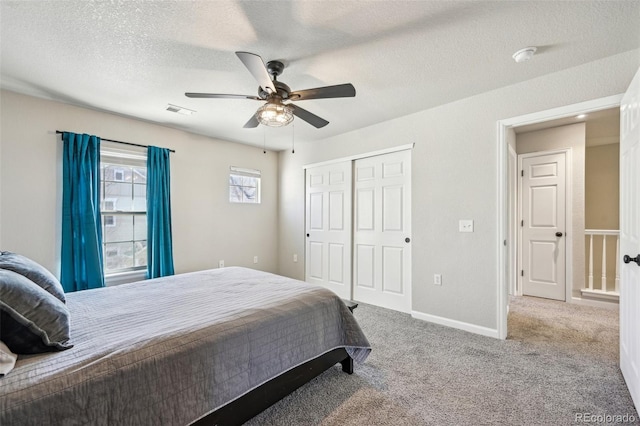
<point>254,402</point>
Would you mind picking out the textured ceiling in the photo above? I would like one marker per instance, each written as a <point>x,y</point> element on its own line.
<point>135,57</point>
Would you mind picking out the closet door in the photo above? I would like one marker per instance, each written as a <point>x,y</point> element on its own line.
<point>328,227</point>
<point>382,231</point>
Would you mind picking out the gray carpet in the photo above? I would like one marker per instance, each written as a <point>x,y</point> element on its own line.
<point>559,360</point>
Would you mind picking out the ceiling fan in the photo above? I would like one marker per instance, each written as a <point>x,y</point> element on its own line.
<point>275,112</point>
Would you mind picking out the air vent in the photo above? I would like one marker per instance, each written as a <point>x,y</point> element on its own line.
<point>180,110</point>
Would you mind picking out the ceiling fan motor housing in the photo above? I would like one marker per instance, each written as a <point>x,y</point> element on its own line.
<point>275,68</point>
<point>282,90</point>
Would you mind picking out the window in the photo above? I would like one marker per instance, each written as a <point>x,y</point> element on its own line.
<point>108,205</point>
<point>244,185</point>
<point>123,200</point>
<point>109,220</point>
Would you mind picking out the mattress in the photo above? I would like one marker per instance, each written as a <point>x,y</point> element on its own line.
<point>170,350</point>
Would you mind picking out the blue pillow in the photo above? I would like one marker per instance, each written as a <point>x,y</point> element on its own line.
<point>34,271</point>
<point>31,319</point>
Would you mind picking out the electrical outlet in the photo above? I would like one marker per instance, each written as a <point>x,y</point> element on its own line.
<point>437,279</point>
<point>255,259</point>
<point>295,257</point>
<point>221,264</point>
<point>465,225</point>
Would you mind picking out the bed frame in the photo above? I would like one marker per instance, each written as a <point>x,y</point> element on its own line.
<point>254,402</point>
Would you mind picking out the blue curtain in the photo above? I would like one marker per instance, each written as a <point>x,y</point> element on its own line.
<point>159,247</point>
<point>81,267</point>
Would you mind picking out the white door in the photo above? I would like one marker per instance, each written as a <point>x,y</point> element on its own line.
<point>543,225</point>
<point>630,238</point>
<point>328,227</point>
<point>382,231</point>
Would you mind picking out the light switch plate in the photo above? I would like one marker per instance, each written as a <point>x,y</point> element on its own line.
<point>465,225</point>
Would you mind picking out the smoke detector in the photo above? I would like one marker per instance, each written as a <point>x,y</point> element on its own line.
<point>525,54</point>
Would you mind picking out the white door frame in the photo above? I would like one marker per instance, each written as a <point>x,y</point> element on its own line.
<point>502,207</point>
<point>568,218</point>
<point>512,218</point>
<point>363,155</point>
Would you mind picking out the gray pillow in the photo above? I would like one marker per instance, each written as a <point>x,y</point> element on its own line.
<point>31,319</point>
<point>34,271</point>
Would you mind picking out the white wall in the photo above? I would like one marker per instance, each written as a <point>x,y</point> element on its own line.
<point>569,136</point>
<point>206,227</point>
<point>455,168</point>
<point>602,186</point>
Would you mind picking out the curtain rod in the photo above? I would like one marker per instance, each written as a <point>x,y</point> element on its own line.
<point>125,143</point>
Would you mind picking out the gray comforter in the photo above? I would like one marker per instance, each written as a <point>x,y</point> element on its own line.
<point>170,350</point>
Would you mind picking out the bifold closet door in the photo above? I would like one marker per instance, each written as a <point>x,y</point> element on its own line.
<point>382,231</point>
<point>328,227</point>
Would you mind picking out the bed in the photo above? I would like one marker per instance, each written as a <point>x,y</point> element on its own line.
<point>209,347</point>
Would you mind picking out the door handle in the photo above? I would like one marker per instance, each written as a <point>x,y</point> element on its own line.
<point>307,235</point>
<point>629,259</point>
<point>558,234</point>
<point>406,240</point>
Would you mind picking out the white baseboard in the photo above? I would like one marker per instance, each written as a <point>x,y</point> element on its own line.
<point>610,296</point>
<point>471,328</point>
<point>595,303</point>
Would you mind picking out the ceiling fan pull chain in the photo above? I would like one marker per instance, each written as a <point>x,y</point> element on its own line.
<point>293,138</point>
<point>264,141</point>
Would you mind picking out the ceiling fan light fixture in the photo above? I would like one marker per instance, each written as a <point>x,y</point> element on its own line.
<point>274,114</point>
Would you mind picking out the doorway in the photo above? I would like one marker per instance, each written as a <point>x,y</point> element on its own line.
<point>505,239</point>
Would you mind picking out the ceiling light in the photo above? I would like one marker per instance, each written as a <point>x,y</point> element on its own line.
<point>525,54</point>
<point>179,109</point>
<point>581,116</point>
<point>274,114</point>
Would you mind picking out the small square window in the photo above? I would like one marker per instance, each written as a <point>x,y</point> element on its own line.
<point>244,188</point>
<point>108,205</point>
<point>109,220</point>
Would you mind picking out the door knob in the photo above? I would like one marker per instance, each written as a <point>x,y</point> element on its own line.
<point>558,234</point>
<point>629,259</point>
<point>406,240</point>
<point>307,235</point>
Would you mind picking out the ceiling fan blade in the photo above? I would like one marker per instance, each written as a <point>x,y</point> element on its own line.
<point>258,70</point>
<point>220,96</point>
<point>253,122</point>
<point>339,91</point>
<point>307,116</point>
